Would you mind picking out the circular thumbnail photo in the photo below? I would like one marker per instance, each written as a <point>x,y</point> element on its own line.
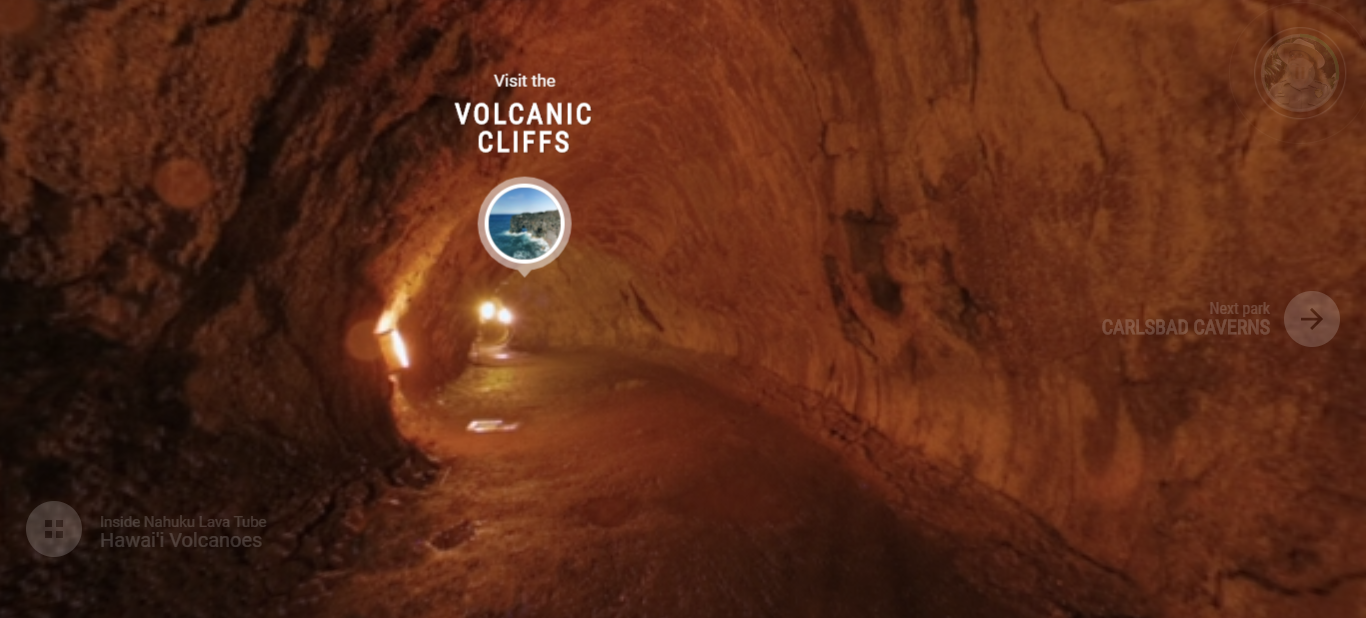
<point>1300,73</point>
<point>524,223</point>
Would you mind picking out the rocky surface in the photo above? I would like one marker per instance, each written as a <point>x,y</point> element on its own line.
<point>761,520</point>
<point>203,201</point>
<point>542,225</point>
<point>170,177</point>
<point>965,191</point>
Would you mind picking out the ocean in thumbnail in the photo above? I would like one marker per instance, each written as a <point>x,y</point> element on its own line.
<point>520,245</point>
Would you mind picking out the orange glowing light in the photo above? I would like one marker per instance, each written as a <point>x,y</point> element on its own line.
<point>386,322</point>
<point>394,350</point>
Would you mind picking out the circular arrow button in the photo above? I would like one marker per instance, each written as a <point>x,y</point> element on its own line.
<point>1312,319</point>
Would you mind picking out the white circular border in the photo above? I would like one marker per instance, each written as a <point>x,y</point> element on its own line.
<point>558,208</point>
<point>524,266</point>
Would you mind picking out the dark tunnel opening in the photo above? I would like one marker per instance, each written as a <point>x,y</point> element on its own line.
<point>869,309</point>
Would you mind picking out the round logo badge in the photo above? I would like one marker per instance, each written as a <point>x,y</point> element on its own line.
<point>1300,73</point>
<point>54,529</point>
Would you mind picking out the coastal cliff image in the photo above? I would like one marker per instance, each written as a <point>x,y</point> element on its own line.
<point>524,223</point>
<point>542,225</point>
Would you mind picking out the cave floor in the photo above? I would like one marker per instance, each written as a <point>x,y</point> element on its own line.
<point>631,489</point>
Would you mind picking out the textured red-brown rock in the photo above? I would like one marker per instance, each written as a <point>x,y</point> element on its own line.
<point>19,16</point>
<point>923,214</point>
<point>183,183</point>
<point>190,196</point>
<point>916,213</point>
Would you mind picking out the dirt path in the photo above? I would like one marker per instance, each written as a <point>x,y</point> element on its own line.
<point>633,490</point>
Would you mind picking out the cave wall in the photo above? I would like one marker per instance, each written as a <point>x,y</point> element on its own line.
<point>918,213</point>
<point>194,200</point>
<point>922,214</point>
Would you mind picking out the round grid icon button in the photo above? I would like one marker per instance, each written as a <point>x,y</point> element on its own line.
<point>54,529</point>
